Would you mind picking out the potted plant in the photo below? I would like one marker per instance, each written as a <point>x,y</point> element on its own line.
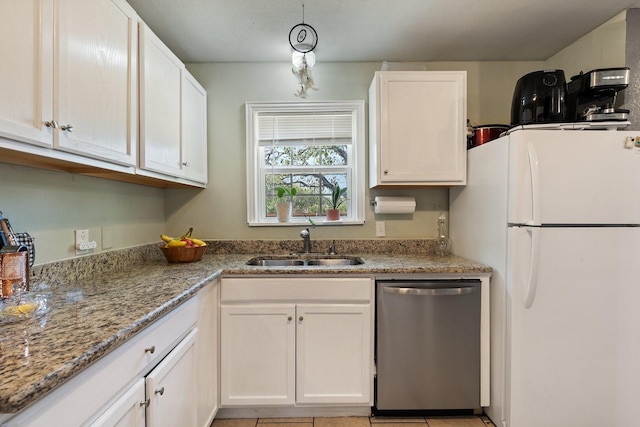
<point>284,205</point>
<point>338,196</point>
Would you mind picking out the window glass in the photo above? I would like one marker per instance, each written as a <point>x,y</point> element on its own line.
<point>311,147</point>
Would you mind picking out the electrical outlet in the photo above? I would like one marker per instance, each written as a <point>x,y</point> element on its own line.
<point>380,231</point>
<point>82,236</point>
<point>83,244</point>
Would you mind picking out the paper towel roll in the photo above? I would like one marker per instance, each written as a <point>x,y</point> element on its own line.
<point>395,205</point>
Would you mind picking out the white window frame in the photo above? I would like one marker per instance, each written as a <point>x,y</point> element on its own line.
<point>255,190</point>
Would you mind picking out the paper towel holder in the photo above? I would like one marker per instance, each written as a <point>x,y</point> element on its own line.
<point>394,205</point>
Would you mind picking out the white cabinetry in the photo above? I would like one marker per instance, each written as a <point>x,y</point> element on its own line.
<point>95,89</point>
<point>154,379</point>
<point>127,411</point>
<point>71,83</point>
<point>296,341</point>
<point>171,387</point>
<point>194,129</point>
<point>257,354</point>
<point>172,114</point>
<point>207,354</point>
<point>417,128</point>
<point>70,98</point>
<point>26,77</point>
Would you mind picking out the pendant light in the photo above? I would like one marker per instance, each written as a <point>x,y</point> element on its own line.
<point>303,39</point>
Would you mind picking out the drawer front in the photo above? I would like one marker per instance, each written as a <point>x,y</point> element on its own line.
<point>358,289</point>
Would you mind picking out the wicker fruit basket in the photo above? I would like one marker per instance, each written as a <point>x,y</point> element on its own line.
<point>183,254</point>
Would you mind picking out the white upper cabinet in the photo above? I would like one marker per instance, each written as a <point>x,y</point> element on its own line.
<point>160,80</point>
<point>69,80</point>
<point>173,114</point>
<point>26,75</point>
<point>95,79</point>
<point>79,77</point>
<point>194,129</point>
<point>417,128</point>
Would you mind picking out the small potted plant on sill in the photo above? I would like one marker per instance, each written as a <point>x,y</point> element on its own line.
<point>284,204</point>
<point>338,196</point>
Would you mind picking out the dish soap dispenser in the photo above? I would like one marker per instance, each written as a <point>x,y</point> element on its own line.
<point>443,244</point>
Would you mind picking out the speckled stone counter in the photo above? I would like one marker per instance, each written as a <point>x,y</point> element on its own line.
<point>96,303</point>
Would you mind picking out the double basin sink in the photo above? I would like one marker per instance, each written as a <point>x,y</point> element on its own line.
<point>306,261</point>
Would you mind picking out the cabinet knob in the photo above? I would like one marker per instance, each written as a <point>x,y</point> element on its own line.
<point>159,391</point>
<point>185,164</point>
<point>68,128</point>
<point>145,403</point>
<point>289,318</point>
<point>386,171</point>
<point>301,318</point>
<point>52,124</point>
<point>150,349</point>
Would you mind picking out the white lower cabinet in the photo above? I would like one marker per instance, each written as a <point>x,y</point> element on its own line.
<point>165,397</point>
<point>164,376</point>
<point>127,411</point>
<point>171,387</point>
<point>296,342</point>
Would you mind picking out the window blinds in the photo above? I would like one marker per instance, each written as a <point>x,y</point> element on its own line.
<point>292,127</point>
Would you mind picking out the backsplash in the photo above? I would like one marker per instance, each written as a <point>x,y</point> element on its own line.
<point>79,268</point>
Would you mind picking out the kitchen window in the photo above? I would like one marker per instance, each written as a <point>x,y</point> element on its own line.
<point>312,147</point>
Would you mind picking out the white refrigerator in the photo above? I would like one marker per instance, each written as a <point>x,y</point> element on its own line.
<point>556,213</point>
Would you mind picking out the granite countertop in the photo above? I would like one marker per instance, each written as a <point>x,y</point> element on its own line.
<point>93,310</point>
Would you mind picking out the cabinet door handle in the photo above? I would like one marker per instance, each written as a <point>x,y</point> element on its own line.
<point>185,164</point>
<point>52,124</point>
<point>145,403</point>
<point>289,318</point>
<point>160,391</point>
<point>150,349</point>
<point>301,318</point>
<point>68,128</point>
<point>386,171</point>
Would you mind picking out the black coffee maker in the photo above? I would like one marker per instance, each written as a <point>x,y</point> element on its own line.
<point>539,97</point>
<point>592,96</point>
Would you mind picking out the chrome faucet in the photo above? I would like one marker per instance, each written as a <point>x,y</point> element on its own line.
<point>306,236</point>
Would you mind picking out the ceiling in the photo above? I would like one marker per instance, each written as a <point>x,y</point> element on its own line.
<point>375,30</point>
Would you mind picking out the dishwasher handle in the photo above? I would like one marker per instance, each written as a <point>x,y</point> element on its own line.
<point>463,290</point>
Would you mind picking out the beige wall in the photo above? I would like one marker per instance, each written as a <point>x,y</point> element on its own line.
<point>50,205</point>
<point>603,47</point>
<point>220,210</point>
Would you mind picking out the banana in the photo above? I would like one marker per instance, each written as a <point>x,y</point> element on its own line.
<point>175,243</point>
<point>166,238</point>
<point>198,242</point>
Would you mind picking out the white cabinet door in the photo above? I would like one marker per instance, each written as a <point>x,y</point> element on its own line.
<point>171,387</point>
<point>417,130</point>
<point>194,129</point>
<point>26,76</point>
<point>257,355</point>
<point>127,411</point>
<point>95,79</point>
<point>334,353</point>
<point>206,355</point>
<point>160,97</point>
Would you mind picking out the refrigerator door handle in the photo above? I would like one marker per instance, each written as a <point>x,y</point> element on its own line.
<point>535,186</point>
<point>534,262</point>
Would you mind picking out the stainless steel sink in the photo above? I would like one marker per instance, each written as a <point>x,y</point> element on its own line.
<point>273,261</point>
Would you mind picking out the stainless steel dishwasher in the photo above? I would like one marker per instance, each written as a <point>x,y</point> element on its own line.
<point>427,345</point>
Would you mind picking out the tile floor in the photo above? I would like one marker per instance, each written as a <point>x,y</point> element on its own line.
<point>455,421</point>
